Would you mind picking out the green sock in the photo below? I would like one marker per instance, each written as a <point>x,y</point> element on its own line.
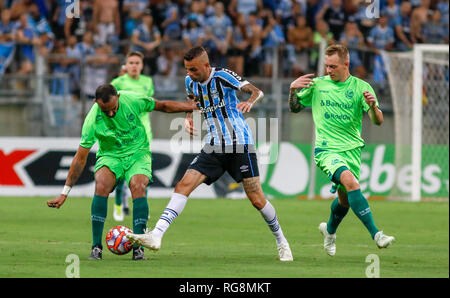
<point>99,209</point>
<point>140,216</point>
<point>360,206</point>
<point>119,191</point>
<point>338,212</point>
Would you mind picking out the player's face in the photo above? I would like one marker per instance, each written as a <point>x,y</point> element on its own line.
<point>197,69</point>
<point>134,65</point>
<point>335,67</point>
<point>109,108</point>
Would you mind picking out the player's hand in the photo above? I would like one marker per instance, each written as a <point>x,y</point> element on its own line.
<point>370,99</point>
<point>244,106</point>
<point>189,126</point>
<point>57,202</point>
<point>304,81</point>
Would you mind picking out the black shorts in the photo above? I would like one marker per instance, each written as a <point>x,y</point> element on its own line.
<point>213,165</point>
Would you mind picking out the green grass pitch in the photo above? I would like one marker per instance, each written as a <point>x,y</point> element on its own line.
<point>226,239</point>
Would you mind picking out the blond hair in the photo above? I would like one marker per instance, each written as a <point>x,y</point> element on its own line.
<point>339,50</point>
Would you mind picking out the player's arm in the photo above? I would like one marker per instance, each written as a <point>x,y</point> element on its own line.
<point>170,106</point>
<point>189,121</point>
<point>255,95</point>
<point>375,114</point>
<point>76,168</point>
<point>305,81</point>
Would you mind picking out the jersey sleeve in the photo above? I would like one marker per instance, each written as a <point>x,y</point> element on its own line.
<point>367,87</point>
<point>88,138</point>
<point>116,83</point>
<point>151,88</point>
<point>305,96</point>
<point>232,79</point>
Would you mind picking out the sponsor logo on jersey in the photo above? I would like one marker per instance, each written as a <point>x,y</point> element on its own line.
<point>329,103</point>
<point>349,93</point>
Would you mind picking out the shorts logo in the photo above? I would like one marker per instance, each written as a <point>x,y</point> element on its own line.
<point>244,168</point>
<point>194,160</point>
<point>335,161</point>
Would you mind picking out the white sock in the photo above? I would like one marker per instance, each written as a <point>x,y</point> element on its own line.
<point>270,216</point>
<point>173,209</point>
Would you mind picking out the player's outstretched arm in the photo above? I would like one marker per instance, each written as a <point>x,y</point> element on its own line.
<point>76,168</point>
<point>255,95</point>
<point>375,114</point>
<point>170,106</point>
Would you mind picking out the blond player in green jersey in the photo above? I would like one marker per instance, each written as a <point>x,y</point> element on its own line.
<point>124,153</point>
<point>132,80</point>
<point>338,101</point>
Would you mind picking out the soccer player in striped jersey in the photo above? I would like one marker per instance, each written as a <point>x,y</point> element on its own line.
<point>230,147</point>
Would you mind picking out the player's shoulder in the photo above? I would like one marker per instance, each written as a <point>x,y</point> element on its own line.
<point>147,78</point>
<point>227,74</point>
<point>360,82</point>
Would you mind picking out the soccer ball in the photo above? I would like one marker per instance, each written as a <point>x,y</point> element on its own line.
<point>117,241</point>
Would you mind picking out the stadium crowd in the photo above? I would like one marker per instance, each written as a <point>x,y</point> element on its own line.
<point>238,34</point>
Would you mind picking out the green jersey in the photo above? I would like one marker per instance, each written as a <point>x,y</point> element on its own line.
<point>142,85</point>
<point>122,135</point>
<point>337,109</point>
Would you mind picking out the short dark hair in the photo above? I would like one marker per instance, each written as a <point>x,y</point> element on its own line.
<point>104,92</point>
<point>194,53</point>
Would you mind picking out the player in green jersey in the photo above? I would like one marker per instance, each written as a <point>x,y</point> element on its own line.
<point>338,101</point>
<point>124,153</point>
<point>132,80</point>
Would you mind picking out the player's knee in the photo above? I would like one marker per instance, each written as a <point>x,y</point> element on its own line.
<point>103,189</point>
<point>137,188</point>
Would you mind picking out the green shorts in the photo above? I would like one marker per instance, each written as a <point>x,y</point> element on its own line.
<point>127,167</point>
<point>329,162</point>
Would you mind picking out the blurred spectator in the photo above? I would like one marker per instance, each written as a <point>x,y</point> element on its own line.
<point>7,37</point>
<point>106,20</point>
<point>209,8</point>
<point>392,11</point>
<point>312,9</point>
<point>168,66</point>
<point>65,60</point>
<point>335,16</point>
<point>27,39</point>
<point>133,10</point>
<point>403,27</point>
<point>418,17</point>
<point>58,20</point>
<point>300,40</point>
<point>273,37</point>
<point>239,43</point>
<point>322,32</point>
<point>353,39</point>
<point>7,27</point>
<point>42,29</point>
<point>19,8</point>
<point>197,8</point>
<point>287,12</point>
<point>365,21</point>
<point>254,58</point>
<point>79,26</point>
<point>145,39</point>
<point>86,46</point>
<point>172,22</point>
<point>442,6</point>
<point>381,38</point>
<point>433,30</point>
<point>245,7</point>
<point>96,69</point>
<point>193,35</point>
<point>218,29</point>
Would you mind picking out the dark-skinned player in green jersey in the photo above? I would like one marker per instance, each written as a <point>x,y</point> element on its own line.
<point>124,153</point>
<point>338,101</point>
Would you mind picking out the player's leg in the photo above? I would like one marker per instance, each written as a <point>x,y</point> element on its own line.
<point>253,190</point>
<point>118,208</point>
<point>105,180</point>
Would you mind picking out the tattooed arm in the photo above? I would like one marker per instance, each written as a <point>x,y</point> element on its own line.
<point>294,104</point>
<point>255,95</point>
<point>305,81</point>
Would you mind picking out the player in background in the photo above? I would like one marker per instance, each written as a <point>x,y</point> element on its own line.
<point>124,153</point>
<point>132,80</point>
<point>229,147</point>
<point>338,101</point>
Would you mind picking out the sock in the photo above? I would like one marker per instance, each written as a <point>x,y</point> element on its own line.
<point>140,216</point>
<point>173,209</point>
<point>337,214</point>
<point>270,216</point>
<point>119,192</point>
<point>360,206</point>
<point>99,210</point>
